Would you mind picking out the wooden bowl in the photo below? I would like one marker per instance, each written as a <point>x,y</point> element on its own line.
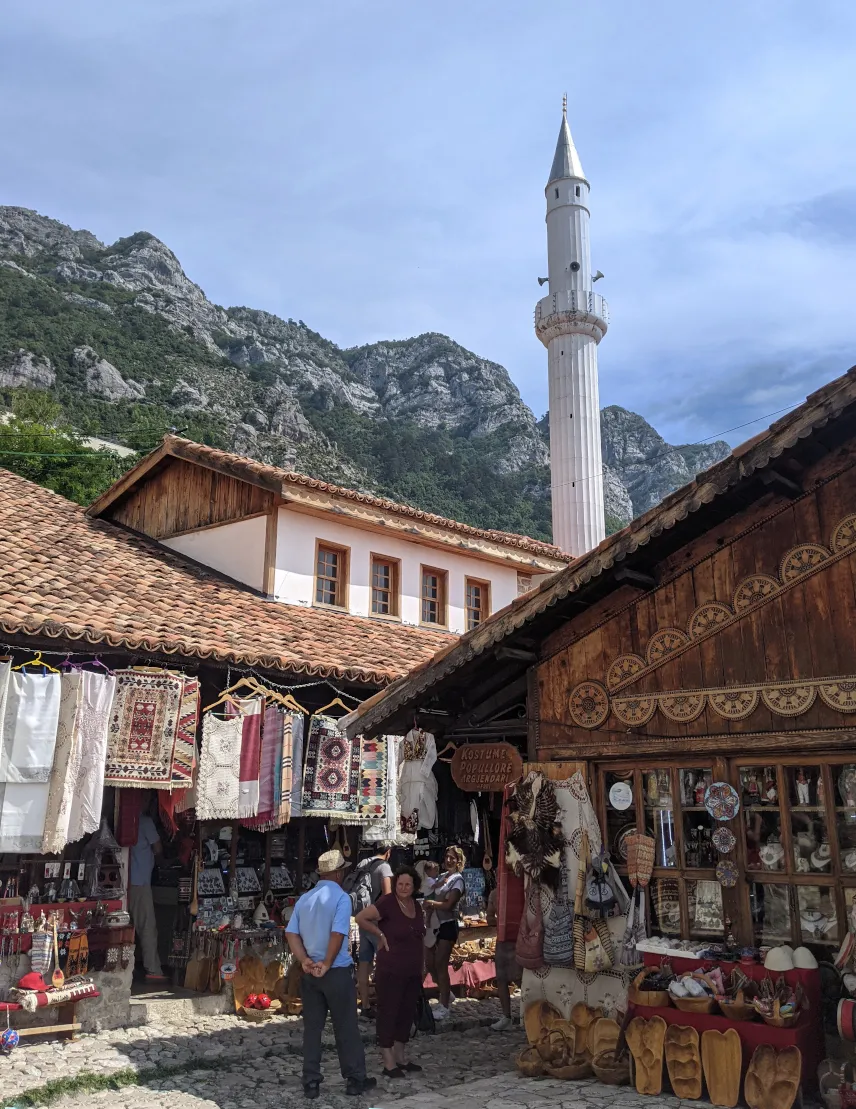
<point>650,998</point>
<point>694,1004</point>
<point>609,1070</point>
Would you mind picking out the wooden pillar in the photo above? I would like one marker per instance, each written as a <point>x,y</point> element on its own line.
<point>301,849</point>
<point>233,856</point>
<point>533,714</point>
<point>267,862</point>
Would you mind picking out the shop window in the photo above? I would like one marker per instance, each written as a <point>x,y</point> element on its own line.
<point>385,589</point>
<point>477,602</point>
<point>433,597</point>
<point>331,576</point>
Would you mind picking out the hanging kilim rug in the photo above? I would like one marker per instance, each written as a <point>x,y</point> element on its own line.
<point>184,754</point>
<point>331,777</point>
<point>143,726</point>
<point>270,771</point>
<point>373,779</point>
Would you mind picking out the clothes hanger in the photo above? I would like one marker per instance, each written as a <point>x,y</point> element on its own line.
<point>336,701</point>
<point>226,698</point>
<point>37,660</point>
<point>449,747</point>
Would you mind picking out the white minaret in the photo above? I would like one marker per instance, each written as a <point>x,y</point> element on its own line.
<point>570,322</point>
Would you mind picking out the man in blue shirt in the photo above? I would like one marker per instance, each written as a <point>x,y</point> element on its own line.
<point>140,904</point>
<point>318,937</point>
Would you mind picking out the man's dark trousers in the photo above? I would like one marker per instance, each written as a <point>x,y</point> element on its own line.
<point>335,993</point>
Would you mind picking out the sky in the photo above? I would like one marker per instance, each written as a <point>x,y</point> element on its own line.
<point>377,169</point>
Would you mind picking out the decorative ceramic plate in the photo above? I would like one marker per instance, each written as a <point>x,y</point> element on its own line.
<point>621,796</point>
<point>619,844</point>
<point>727,873</point>
<point>724,840</point>
<point>721,801</point>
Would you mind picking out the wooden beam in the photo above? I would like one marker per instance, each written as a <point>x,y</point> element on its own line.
<point>515,654</point>
<point>635,577</point>
<point>271,529</point>
<point>775,479</point>
<point>494,703</point>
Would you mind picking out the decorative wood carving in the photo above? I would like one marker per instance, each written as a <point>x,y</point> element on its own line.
<point>590,703</point>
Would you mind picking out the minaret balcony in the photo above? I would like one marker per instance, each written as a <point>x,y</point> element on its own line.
<point>571,312</point>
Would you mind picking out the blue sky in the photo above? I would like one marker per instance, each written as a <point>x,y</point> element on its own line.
<point>377,169</point>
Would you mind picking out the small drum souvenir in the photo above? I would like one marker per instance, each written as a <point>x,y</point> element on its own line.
<point>9,1039</point>
<point>724,840</point>
<point>721,801</point>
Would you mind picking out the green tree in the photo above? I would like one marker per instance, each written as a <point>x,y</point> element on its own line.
<point>35,443</point>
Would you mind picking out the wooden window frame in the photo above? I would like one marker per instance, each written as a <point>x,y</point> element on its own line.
<point>736,901</point>
<point>443,600</point>
<point>345,553</point>
<point>395,587</point>
<point>486,597</point>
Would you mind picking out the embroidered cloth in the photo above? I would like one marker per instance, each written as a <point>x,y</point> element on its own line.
<point>388,828</point>
<point>85,791</point>
<point>217,784</point>
<point>183,757</point>
<point>66,759</point>
<point>251,710</point>
<point>297,728</point>
<point>27,743</point>
<point>418,786</point>
<point>331,777</point>
<point>373,787</point>
<point>143,728</point>
<point>270,770</point>
<point>285,785</point>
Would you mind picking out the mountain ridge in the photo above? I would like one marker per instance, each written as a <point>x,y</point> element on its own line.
<point>131,347</point>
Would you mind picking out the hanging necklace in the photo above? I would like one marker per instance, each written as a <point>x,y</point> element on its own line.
<point>404,911</point>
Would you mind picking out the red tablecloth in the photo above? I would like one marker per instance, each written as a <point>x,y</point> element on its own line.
<point>806,1034</point>
<point>470,974</point>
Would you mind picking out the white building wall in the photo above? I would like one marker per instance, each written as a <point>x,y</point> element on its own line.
<point>237,550</point>
<point>298,534</point>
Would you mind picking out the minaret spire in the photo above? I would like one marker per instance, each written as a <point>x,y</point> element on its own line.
<point>570,322</point>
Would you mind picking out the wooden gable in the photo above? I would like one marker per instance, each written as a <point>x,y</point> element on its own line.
<point>181,496</point>
<point>747,640</point>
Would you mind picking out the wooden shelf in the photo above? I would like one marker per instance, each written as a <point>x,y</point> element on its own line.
<point>762,808</point>
<point>809,808</point>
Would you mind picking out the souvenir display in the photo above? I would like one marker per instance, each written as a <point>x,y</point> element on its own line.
<point>721,801</point>
<point>620,796</point>
<point>727,873</point>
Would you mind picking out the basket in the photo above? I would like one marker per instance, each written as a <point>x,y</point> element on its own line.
<point>611,1071</point>
<point>777,1020</point>
<point>255,1016</point>
<point>696,1004</point>
<point>292,1006</point>
<point>736,1008</point>
<point>649,998</point>
<point>571,1070</point>
<point>530,1063</point>
<point>553,1047</point>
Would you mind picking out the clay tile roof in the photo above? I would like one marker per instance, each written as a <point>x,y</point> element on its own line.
<point>63,574</point>
<point>254,472</point>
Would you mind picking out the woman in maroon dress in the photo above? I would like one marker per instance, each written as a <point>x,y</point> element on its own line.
<point>397,921</point>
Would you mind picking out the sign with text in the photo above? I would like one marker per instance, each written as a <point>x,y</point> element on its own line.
<point>486,767</point>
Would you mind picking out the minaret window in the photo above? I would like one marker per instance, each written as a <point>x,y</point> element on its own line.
<point>577,190</point>
<point>557,194</point>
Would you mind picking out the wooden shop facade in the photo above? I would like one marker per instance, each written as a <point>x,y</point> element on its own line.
<point>711,642</point>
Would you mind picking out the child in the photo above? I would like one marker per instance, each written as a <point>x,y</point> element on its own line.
<point>431,872</point>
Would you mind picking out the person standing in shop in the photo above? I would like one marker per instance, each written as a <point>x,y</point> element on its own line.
<point>442,906</point>
<point>140,904</point>
<point>380,873</point>
<point>318,937</point>
<point>507,968</point>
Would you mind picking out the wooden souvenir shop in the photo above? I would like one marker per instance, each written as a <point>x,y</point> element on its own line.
<point>701,666</point>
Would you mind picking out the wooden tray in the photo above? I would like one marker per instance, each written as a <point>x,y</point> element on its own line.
<point>645,1038</point>
<point>683,1061</point>
<point>602,1036</point>
<point>722,1057</point>
<point>582,1018</point>
<point>773,1078</point>
<point>538,1018</point>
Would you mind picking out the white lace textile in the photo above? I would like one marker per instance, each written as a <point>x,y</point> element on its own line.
<point>86,773</point>
<point>217,786</point>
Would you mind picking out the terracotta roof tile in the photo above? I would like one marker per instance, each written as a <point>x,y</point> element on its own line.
<point>65,574</point>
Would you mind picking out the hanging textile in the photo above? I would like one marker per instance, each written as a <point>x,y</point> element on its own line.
<point>270,770</point>
<point>143,729</point>
<point>66,759</point>
<point>373,779</point>
<point>219,768</point>
<point>27,743</point>
<point>331,778</point>
<point>418,784</point>
<point>184,756</point>
<point>130,810</point>
<point>251,710</point>
<point>282,800</point>
<point>85,790</point>
<point>388,828</point>
<point>297,729</point>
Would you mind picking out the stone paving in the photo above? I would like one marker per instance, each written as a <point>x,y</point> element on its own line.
<point>244,1065</point>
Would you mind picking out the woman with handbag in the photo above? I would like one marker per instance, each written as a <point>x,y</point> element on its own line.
<point>443,904</point>
<point>397,922</point>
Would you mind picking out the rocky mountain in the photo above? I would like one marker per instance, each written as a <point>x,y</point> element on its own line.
<point>131,347</point>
